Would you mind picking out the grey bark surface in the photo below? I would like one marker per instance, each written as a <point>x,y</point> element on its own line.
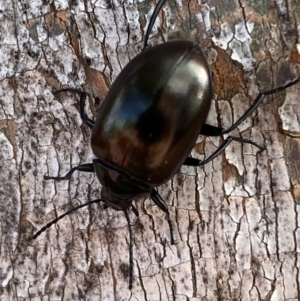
<point>236,220</point>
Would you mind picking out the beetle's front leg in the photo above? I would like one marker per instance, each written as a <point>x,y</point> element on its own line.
<point>89,167</point>
<point>89,122</point>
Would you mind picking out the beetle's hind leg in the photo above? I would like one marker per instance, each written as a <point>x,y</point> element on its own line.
<point>189,161</point>
<point>258,101</point>
<point>208,130</point>
<point>89,122</point>
<point>212,131</point>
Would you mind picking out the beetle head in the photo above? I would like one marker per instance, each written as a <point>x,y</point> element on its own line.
<point>118,189</point>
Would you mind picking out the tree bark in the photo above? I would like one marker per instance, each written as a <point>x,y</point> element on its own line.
<point>235,219</point>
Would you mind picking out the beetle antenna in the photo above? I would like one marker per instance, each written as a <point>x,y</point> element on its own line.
<point>130,250</point>
<point>155,13</point>
<point>63,215</point>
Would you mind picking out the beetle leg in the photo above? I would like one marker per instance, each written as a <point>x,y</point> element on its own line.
<point>135,211</point>
<point>257,102</point>
<point>210,130</point>
<point>158,200</point>
<point>89,167</point>
<point>130,249</point>
<point>89,122</point>
<point>155,13</point>
<point>196,162</point>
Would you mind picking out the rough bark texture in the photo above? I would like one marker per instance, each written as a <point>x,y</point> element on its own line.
<point>236,220</point>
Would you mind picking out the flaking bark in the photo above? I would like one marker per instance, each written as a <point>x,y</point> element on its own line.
<point>235,220</point>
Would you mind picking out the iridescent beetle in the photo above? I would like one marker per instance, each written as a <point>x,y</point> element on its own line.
<point>148,124</point>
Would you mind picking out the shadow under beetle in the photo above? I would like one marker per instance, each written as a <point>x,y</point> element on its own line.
<point>148,124</point>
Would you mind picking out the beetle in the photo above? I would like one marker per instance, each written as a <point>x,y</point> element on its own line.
<point>148,124</point>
